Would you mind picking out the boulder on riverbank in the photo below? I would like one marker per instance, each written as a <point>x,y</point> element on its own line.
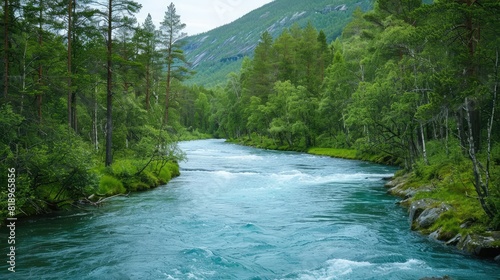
<point>424,213</point>
<point>430,215</point>
<point>486,245</point>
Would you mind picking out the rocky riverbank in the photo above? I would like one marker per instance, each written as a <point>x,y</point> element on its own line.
<point>427,214</point>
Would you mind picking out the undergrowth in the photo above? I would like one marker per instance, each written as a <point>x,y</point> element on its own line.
<point>448,178</point>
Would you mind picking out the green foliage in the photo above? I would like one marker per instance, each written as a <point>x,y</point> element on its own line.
<point>53,109</point>
<point>164,172</point>
<point>109,185</point>
<point>139,175</point>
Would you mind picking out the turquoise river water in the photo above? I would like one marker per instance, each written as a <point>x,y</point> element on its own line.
<point>242,213</point>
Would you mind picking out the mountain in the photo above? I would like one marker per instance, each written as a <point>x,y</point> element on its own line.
<point>216,53</point>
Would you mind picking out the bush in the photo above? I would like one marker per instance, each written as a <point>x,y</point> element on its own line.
<point>164,175</point>
<point>149,178</point>
<point>109,185</point>
<point>138,186</point>
<point>174,169</point>
<point>123,169</point>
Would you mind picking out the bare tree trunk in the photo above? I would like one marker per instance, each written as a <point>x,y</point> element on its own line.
<point>6,48</point>
<point>424,149</point>
<point>109,91</point>
<point>40,67</point>
<point>461,130</point>
<point>447,132</point>
<point>480,186</point>
<point>169,77</point>
<point>70,95</point>
<point>491,122</point>
<point>74,118</point>
<point>148,86</point>
<point>95,138</point>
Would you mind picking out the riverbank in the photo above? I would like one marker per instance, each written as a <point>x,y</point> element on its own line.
<point>439,198</point>
<point>447,213</point>
<point>122,177</point>
<point>269,144</point>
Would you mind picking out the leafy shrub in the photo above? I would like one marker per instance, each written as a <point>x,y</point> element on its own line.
<point>164,175</point>
<point>109,185</point>
<point>148,178</point>
<point>174,169</point>
<point>123,169</point>
<point>138,186</point>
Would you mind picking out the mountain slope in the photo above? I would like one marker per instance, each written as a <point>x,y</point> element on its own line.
<point>216,53</point>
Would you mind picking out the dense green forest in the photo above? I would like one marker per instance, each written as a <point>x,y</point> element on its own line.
<point>407,83</point>
<point>83,111</point>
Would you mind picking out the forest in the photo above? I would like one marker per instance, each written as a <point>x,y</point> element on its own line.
<point>83,107</point>
<point>93,102</point>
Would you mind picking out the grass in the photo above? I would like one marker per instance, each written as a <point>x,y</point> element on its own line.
<point>109,186</point>
<point>337,153</point>
<point>130,175</point>
<point>449,179</point>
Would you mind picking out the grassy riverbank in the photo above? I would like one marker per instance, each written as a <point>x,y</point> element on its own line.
<point>270,144</point>
<point>72,174</point>
<point>337,153</point>
<point>122,177</point>
<point>131,175</point>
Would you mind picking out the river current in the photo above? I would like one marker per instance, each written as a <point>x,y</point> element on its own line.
<point>242,213</point>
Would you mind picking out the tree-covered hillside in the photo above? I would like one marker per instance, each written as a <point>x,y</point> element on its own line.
<point>216,53</point>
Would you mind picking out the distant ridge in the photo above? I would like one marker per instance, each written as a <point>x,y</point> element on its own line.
<point>216,53</point>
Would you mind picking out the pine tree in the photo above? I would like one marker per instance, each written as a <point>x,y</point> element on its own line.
<point>171,33</point>
<point>121,6</point>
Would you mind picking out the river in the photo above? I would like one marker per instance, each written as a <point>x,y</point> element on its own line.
<point>242,213</point>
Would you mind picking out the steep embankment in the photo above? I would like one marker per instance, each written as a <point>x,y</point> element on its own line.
<point>218,52</point>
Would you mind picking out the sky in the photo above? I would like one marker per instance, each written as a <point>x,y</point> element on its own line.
<point>199,15</point>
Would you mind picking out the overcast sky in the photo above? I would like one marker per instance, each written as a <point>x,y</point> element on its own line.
<point>199,15</point>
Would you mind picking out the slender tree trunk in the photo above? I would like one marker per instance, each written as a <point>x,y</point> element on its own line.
<point>169,77</point>
<point>492,120</point>
<point>70,95</point>
<point>74,118</point>
<point>148,86</point>
<point>95,138</point>
<point>481,188</point>
<point>74,97</point>
<point>23,82</point>
<point>40,66</point>
<point>109,90</point>
<point>424,149</point>
<point>6,48</point>
<point>447,132</point>
<point>461,131</point>
<point>473,38</point>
